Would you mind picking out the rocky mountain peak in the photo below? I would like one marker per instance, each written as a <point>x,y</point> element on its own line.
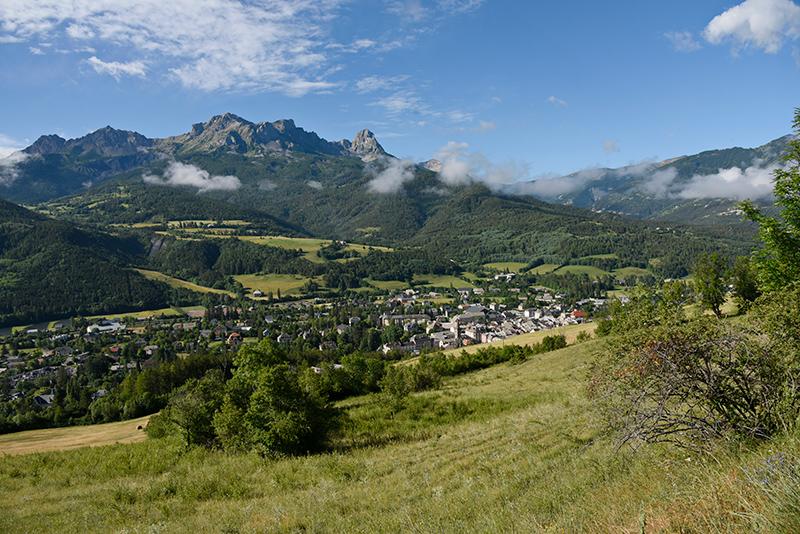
<point>432,165</point>
<point>366,145</point>
<point>47,144</point>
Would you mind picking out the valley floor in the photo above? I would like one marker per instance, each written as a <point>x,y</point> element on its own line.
<point>513,448</point>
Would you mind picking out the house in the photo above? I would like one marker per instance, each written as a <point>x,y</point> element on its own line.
<point>43,401</point>
<point>234,340</point>
<point>342,328</point>
<point>104,327</point>
<point>580,315</point>
<point>284,338</point>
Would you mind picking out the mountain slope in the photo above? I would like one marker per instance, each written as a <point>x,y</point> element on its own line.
<point>51,269</point>
<point>668,190</point>
<point>53,167</point>
<point>290,181</point>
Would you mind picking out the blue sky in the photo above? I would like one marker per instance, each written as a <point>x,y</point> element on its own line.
<point>543,87</point>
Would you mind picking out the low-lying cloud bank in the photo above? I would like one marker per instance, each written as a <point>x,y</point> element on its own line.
<point>458,166</point>
<point>9,170</point>
<point>392,177</point>
<point>179,174</point>
<point>751,183</point>
<point>754,182</point>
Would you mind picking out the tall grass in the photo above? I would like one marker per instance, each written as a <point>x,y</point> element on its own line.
<point>512,448</point>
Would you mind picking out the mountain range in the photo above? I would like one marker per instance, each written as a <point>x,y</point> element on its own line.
<point>702,188</point>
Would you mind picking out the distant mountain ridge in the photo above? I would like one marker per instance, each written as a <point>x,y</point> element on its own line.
<point>657,190</point>
<point>226,132</point>
<point>53,166</point>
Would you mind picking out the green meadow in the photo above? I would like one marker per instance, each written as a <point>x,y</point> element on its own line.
<point>512,448</point>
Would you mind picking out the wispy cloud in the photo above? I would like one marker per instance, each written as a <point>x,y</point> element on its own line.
<point>408,103</point>
<point>179,174</point>
<point>610,146</point>
<point>8,145</point>
<point>370,84</point>
<point>683,41</point>
<point>117,69</point>
<point>764,24</point>
<point>557,102</point>
<point>389,175</point>
<point>10,159</point>
<point>276,45</point>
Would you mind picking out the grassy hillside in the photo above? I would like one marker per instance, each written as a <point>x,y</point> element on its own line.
<point>73,437</point>
<point>510,448</point>
<point>177,282</point>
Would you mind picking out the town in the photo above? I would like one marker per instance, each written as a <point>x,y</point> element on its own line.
<point>394,324</point>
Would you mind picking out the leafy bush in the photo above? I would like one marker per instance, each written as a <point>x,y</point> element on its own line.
<point>267,409</point>
<point>693,381</point>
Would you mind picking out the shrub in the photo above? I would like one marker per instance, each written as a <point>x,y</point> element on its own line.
<point>192,407</point>
<point>691,382</point>
<point>267,409</point>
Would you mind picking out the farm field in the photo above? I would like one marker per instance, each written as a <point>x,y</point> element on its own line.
<point>502,266</point>
<point>436,280</point>
<point>390,285</point>
<point>512,448</point>
<point>144,314</point>
<point>544,268</point>
<point>625,272</point>
<point>287,284</point>
<point>309,246</point>
<point>60,439</point>
<point>581,269</point>
<point>177,282</point>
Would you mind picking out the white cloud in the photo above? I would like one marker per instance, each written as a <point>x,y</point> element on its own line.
<point>117,69</point>
<point>409,9</point>
<point>9,162</point>
<point>459,6</point>
<point>403,102</point>
<point>761,23</point>
<point>417,11</point>
<point>459,166</point>
<point>370,84</point>
<point>610,146</point>
<point>559,103</point>
<point>751,183</point>
<point>183,174</point>
<point>36,51</point>
<point>8,145</point>
<point>683,41</point>
<point>407,102</point>
<point>392,176</point>
<point>275,45</point>
<point>486,126</point>
<point>659,182</point>
<point>555,186</point>
<point>313,184</point>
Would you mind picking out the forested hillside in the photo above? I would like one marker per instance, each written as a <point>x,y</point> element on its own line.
<point>51,269</point>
